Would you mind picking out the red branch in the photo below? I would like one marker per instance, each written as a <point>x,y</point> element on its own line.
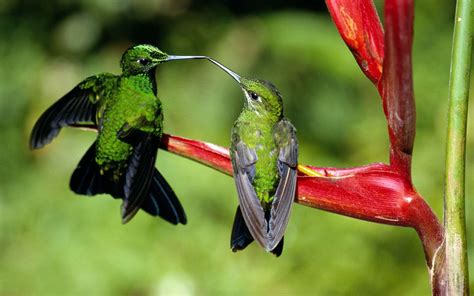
<point>374,192</point>
<point>208,154</point>
<point>396,85</point>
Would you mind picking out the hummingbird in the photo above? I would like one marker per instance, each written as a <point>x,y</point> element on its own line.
<point>128,116</point>
<point>264,155</point>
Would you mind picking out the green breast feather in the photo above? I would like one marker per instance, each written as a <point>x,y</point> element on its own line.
<point>257,133</point>
<point>132,105</point>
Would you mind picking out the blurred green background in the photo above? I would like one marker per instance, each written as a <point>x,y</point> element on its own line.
<point>53,242</point>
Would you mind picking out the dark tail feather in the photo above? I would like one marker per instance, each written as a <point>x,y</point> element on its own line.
<point>278,249</point>
<point>241,236</point>
<point>139,172</point>
<point>162,201</point>
<point>87,179</point>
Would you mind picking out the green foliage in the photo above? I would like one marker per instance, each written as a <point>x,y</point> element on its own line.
<point>54,242</point>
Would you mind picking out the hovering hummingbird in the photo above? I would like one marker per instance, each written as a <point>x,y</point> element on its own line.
<point>128,116</point>
<point>264,154</point>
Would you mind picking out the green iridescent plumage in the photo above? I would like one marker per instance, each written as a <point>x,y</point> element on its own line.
<point>127,114</point>
<point>254,127</point>
<point>133,105</point>
<point>264,153</point>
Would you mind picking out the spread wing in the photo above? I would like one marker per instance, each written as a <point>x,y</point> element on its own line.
<point>285,137</point>
<point>243,163</point>
<point>77,108</point>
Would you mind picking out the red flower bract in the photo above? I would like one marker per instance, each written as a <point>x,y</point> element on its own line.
<point>359,26</point>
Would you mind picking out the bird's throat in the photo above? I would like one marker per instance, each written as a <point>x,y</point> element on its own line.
<point>144,81</point>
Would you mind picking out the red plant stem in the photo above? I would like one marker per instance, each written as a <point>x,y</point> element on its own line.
<point>374,192</point>
<point>213,156</point>
<point>386,60</point>
<point>396,85</point>
<point>428,227</point>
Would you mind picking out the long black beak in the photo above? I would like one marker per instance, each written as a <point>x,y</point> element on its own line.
<point>227,70</point>
<point>176,57</point>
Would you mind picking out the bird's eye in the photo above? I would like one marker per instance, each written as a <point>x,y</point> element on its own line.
<point>143,61</point>
<point>253,96</point>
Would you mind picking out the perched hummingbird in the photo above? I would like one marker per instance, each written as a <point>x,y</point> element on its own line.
<point>264,154</point>
<point>128,116</point>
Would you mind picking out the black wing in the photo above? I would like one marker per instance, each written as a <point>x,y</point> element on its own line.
<point>140,170</point>
<point>77,108</point>
<point>159,201</point>
<point>285,138</point>
<point>243,163</point>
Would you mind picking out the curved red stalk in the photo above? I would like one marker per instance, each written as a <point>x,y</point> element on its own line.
<point>374,192</point>
<point>208,154</point>
<point>396,85</point>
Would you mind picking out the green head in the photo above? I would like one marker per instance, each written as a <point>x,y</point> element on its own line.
<point>144,58</point>
<point>260,95</point>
